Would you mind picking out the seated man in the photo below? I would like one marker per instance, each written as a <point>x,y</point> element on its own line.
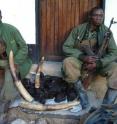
<point>90,35</point>
<point>11,39</point>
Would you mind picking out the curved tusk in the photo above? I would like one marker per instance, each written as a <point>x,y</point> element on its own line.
<point>41,107</point>
<point>18,83</point>
<point>23,91</point>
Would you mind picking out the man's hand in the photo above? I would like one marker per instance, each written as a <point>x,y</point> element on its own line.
<point>90,66</point>
<point>89,59</point>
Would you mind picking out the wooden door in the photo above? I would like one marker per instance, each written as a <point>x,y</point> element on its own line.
<point>57,18</point>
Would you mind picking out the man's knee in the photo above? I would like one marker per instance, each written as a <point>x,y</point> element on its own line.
<point>72,61</point>
<point>68,60</point>
<point>112,76</point>
<point>71,69</point>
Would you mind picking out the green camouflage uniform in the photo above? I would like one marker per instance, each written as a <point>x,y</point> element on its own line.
<point>16,43</point>
<point>72,64</point>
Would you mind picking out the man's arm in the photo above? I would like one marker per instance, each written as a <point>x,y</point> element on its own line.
<point>69,48</point>
<point>22,52</point>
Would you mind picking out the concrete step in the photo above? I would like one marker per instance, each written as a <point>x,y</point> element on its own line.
<point>48,68</point>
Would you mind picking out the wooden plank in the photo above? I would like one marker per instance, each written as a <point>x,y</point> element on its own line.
<point>60,28</point>
<point>94,3</point>
<point>48,45</point>
<point>99,2</point>
<point>56,25</point>
<point>64,25</point>
<point>73,5</point>
<point>77,8</point>
<point>68,17</point>
<point>43,26</point>
<point>81,11</point>
<point>64,12</point>
<point>52,14</point>
<point>86,11</point>
<point>53,57</point>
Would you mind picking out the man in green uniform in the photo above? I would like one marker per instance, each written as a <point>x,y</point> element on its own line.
<point>11,39</point>
<point>90,35</point>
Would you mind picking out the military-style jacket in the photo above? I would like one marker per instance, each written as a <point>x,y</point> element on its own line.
<point>77,35</point>
<point>15,42</point>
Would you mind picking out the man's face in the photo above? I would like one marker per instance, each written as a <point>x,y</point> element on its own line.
<point>97,17</point>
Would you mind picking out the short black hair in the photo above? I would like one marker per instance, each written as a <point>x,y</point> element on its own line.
<point>94,9</point>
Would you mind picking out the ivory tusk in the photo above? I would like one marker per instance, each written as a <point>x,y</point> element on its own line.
<point>41,107</point>
<point>18,83</point>
<point>37,77</point>
<point>23,91</point>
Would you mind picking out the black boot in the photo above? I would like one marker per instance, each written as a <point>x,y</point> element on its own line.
<point>110,96</point>
<point>82,94</point>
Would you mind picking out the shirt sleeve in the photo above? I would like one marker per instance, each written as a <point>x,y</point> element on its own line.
<point>69,48</point>
<point>22,52</point>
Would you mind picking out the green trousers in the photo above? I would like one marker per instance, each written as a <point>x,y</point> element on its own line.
<point>72,71</point>
<point>8,91</point>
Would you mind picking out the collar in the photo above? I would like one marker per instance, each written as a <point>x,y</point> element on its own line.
<point>97,29</point>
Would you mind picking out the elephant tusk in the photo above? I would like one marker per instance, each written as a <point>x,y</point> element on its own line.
<point>41,107</point>
<point>18,83</point>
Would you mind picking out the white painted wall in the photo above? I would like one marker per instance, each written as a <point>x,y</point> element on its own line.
<point>21,14</point>
<point>111,11</point>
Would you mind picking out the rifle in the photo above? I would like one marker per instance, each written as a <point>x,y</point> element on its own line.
<point>106,40</point>
<point>89,74</point>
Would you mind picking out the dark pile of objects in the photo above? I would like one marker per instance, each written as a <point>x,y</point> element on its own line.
<point>50,87</point>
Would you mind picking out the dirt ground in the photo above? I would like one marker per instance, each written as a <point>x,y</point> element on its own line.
<point>16,116</point>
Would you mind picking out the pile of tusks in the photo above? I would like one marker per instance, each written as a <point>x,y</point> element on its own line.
<point>28,102</point>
